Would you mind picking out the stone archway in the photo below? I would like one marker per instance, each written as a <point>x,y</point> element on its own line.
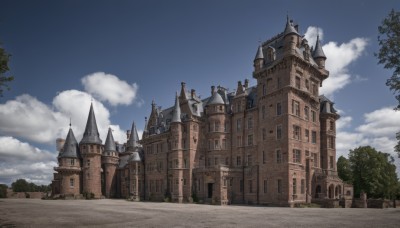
<point>331,191</point>
<point>318,191</point>
<point>338,191</point>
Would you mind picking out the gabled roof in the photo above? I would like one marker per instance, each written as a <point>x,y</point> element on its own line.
<point>110,143</point>
<point>91,134</point>
<point>70,148</point>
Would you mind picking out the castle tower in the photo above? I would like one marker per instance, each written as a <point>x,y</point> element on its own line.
<point>109,161</point>
<point>135,164</point>
<point>259,59</point>
<point>69,166</point>
<point>318,54</point>
<point>91,151</point>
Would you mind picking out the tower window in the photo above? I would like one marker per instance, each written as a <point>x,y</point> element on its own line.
<point>250,140</point>
<point>294,186</point>
<point>278,109</point>
<point>278,132</point>
<point>296,156</point>
<point>72,161</point>
<point>278,156</point>
<point>314,137</point>
<point>298,82</point>
<point>71,183</point>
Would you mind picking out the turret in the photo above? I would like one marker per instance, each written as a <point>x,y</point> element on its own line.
<point>176,112</point>
<point>291,35</point>
<point>133,141</point>
<point>109,162</point>
<point>91,151</point>
<point>259,59</point>
<point>318,54</point>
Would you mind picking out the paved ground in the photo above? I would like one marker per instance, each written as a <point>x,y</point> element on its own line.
<point>121,213</point>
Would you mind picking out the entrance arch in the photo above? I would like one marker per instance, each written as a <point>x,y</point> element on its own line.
<point>318,191</point>
<point>331,191</point>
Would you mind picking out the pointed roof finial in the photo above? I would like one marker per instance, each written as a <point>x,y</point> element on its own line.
<point>70,122</point>
<point>176,112</point>
<point>318,52</point>
<point>133,141</point>
<point>91,134</point>
<point>110,143</point>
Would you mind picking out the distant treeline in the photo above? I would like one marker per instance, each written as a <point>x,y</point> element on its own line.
<point>21,185</point>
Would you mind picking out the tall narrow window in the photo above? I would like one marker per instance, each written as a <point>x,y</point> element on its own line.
<point>296,132</point>
<point>224,144</point>
<point>238,124</point>
<point>278,109</point>
<point>331,162</point>
<point>279,83</point>
<point>306,113</point>
<point>294,186</point>
<point>307,85</point>
<point>315,158</point>
<point>238,161</point>
<point>71,182</point>
<point>264,134</point>
<point>314,137</point>
<point>216,127</point>
<point>295,108</point>
<point>314,116</point>
<point>278,132</point>
<point>249,160</point>
<point>265,186</point>
<point>250,140</point>
<point>298,82</point>
<point>250,122</point>
<point>216,144</point>
<point>72,161</point>
<point>303,186</point>
<point>278,156</point>
<point>279,187</point>
<point>239,140</point>
<point>264,157</point>
<point>296,156</point>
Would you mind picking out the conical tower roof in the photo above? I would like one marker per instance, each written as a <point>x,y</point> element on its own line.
<point>289,29</point>
<point>91,134</point>
<point>216,98</point>
<point>318,52</point>
<point>110,143</point>
<point>70,148</point>
<point>133,141</point>
<point>260,54</point>
<point>176,113</point>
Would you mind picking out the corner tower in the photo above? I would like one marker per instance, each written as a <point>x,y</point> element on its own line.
<point>91,151</point>
<point>109,161</point>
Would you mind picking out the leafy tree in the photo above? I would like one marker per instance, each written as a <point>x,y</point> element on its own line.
<point>373,172</point>
<point>389,55</point>
<point>4,80</point>
<point>20,185</point>
<point>344,169</point>
<point>3,191</point>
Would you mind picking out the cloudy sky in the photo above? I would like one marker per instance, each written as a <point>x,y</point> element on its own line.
<point>123,54</point>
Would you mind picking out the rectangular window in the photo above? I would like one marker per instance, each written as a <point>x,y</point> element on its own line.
<point>72,161</point>
<point>224,144</point>
<point>238,161</point>
<point>238,124</point>
<point>216,144</point>
<point>176,163</point>
<point>307,85</point>
<point>250,186</point>
<point>278,109</point>
<point>71,182</point>
<point>296,132</point>
<point>265,186</point>
<point>264,157</point>
<point>331,142</point>
<point>294,186</point>
<point>314,137</point>
<point>250,123</point>
<point>307,135</point>
<point>279,187</point>
<point>296,156</point>
<point>331,125</point>
<point>250,140</point>
<point>208,162</point>
<point>216,162</point>
<point>315,158</point>
<point>295,108</point>
<point>279,84</point>
<point>88,162</point>
<point>331,162</point>
<point>297,82</point>
<point>216,127</point>
<point>249,160</point>
<point>306,113</point>
<point>314,116</point>
<point>184,163</point>
<point>263,112</point>
<point>264,134</point>
<point>239,141</point>
<point>278,132</point>
<point>303,186</point>
<point>241,186</point>
<point>278,156</point>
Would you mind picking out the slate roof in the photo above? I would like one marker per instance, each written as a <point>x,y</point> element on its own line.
<point>110,143</point>
<point>176,112</point>
<point>318,52</point>
<point>70,148</point>
<point>133,141</point>
<point>91,134</point>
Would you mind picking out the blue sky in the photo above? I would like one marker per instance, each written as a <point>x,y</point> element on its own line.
<point>126,53</point>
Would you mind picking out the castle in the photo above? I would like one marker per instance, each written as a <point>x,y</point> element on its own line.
<point>273,143</point>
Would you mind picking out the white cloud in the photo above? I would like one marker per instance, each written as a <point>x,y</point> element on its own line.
<point>108,87</point>
<point>381,122</point>
<point>343,122</point>
<point>21,160</point>
<point>339,57</point>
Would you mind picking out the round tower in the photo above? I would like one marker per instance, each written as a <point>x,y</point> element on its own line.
<point>291,36</point>
<point>259,59</point>
<point>69,166</point>
<point>318,54</point>
<point>109,161</point>
<point>91,151</point>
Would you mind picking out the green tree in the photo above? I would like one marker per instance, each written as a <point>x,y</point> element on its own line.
<point>4,80</point>
<point>20,185</point>
<point>373,172</point>
<point>3,191</point>
<point>344,170</point>
<point>389,55</point>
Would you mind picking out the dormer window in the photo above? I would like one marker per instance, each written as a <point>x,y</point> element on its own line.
<point>271,54</point>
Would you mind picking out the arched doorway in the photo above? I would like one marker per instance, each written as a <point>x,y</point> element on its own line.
<point>331,191</point>
<point>318,191</point>
<point>338,191</point>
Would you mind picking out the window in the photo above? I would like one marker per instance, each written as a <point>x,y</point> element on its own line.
<point>71,182</point>
<point>176,161</point>
<point>296,132</point>
<point>315,158</point>
<point>216,162</point>
<point>264,134</point>
<point>225,180</point>
<point>184,163</point>
<point>295,108</point>
<point>250,123</point>
<point>224,144</point>
<point>225,127</point>
<point>265,186</point>
<point>307,85</point>
<point>331,125</point>
<point>239,141</point>
<point>250,186</point>
<point>303,186</point>
<point>238,124</point>
<point>88,162</point>
<point>72,161</point>
<point>307,135</point>
<point>241,186</point>
<point>238,161</point>
<point>331,162</point>
<point>264,157</point>
<point>297,82</point>
<point>209,127</point>
<point>216,144</point>
<point>278,109</point>
<point>331,142</point>
<point>279,188</point>
<point>216,127</point>
<point>314,89</point>
<point>296,156</point>
<point>294,186</point>
<point>250,140</point>
<point>314,137</point>
<point>279,132</point>
<point>314,116</point>
<point>279,84</point>
<point>249,160</point>
<point>264,89</point>
<point>278,156</point>
<point>263,112</point>
<point>306,113</point>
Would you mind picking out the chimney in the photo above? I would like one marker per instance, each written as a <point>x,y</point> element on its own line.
<point>212,90</point>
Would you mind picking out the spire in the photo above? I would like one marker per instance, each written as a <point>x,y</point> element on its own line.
<point>133,141</point>
<point>318,52</point>
<point>91,134</point>
<point>70,148</point>
<point>176,113</point>
<point>259,54</point>
<point>110,143</point>
<point>289,29</point>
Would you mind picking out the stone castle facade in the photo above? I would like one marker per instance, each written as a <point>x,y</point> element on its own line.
<point>273,143</point>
